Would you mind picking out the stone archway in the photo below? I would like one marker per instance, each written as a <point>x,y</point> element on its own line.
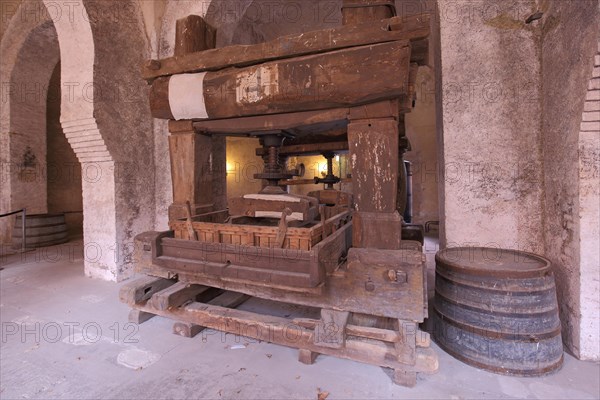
<point>30,53</point>
<point>105,117</point>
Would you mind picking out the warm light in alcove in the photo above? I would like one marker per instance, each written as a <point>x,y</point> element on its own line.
<point>230,167</point>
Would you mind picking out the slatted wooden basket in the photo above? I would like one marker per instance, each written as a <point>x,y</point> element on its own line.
<point>217,227</point>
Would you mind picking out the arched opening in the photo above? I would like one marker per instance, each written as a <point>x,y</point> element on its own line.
<point>30,55</point>
<point>63,169</point>
<point>103,114</point>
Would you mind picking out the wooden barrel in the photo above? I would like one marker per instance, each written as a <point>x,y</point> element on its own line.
<point>496,309</point>
<point>41,230</point>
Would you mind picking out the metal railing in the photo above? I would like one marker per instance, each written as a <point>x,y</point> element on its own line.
<point>24,211</point>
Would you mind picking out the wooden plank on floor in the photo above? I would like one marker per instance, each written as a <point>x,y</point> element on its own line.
<point>227,299</point>
<point>139,317</point>
<point>176,295</point>
<point>142,289</point>
<point>279,330</point>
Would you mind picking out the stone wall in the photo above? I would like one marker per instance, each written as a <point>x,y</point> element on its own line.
<point>491,115</point>
<point>29,55</point>
<point>569,44</point>
<point>63,170</point>
<point>520,168</point>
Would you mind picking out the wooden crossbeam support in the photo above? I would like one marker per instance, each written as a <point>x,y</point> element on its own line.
<point>416,29</point>
<point>186,329</point>
<point>423,339</point>
<point>290,85</point>
<point>176,295</point>
<point>406,347</point>
<point>279,331</point>
<point>226,299</point>
<point>330,330</point>
<point>139,317</point>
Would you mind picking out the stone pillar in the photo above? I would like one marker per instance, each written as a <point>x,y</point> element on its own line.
<point>491,119</point>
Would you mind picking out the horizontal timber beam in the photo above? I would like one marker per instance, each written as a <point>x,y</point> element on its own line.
<point>416,29</point>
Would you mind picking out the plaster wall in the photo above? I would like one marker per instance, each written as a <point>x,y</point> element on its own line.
<point>571,32</point>
<point>103,113</point>
<point>28,59</point>
<point>491,117</point>
<point>63,170</point>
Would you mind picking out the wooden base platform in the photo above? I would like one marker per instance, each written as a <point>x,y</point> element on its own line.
<point>401,346</point>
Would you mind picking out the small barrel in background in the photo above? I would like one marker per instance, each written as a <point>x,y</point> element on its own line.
<point>496,309</point>
<point>41,230</point>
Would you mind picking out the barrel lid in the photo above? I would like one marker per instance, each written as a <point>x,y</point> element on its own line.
<point>496,262</point>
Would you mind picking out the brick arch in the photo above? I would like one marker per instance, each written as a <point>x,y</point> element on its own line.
<point>589,216</point>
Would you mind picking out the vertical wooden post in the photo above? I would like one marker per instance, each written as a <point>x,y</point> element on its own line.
<point>331,329</point>
<point>406,348</point>
<point>193,34</point>
<point>191,170</point>
<point>373,144</point>
<point>307,357</point>
<point>197,161</point>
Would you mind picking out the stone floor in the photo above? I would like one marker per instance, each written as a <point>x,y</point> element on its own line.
<point>67,336</point>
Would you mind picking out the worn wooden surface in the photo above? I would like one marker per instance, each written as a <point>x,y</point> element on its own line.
<point>243,126</point>
<point>422,339</point>
<point>308,125</point>
<point>142,289</point>
<point>176,295</point>
<point>414,29</point>
<point>330,330</point>
<point>377,230</point>
<point>311,149</point>
<point>374,158</point>
<point>226,299</point>
<point>341,78</point>
<point>307,357</point>
<point>282,331</point>
<point>211,228</point>
<point>357,11</point>
<point>360,285</point>
<point>265,265</point>
<point>190,168</point>
<point>252,207</point>
<point>193,34</point>
<point>139,317</point>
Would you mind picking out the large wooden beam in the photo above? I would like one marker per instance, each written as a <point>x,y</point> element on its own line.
<point>413,28</point>
<point>243,126</point>
<point>308,149</point>
<point>281,331</point>
<point>342,78</point>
